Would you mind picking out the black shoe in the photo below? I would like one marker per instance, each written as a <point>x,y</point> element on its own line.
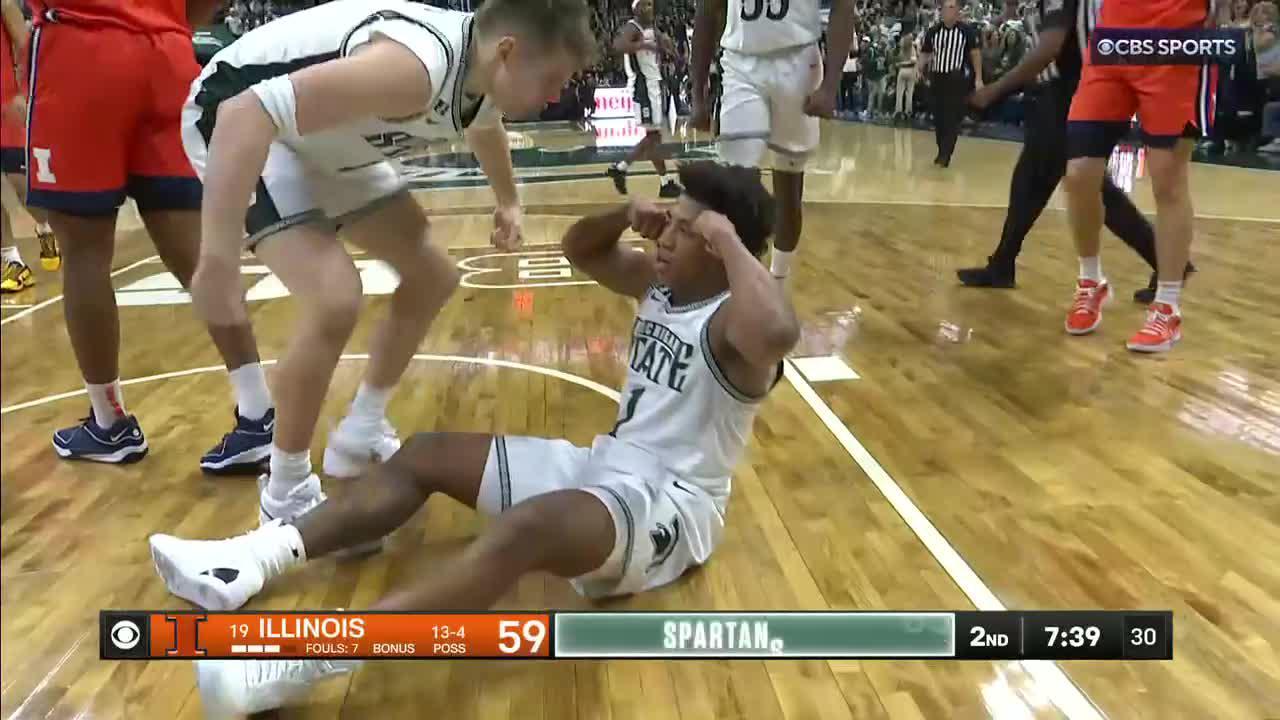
<point>619,177</point>
<point>987,276</point>
<point>944,162</point>
<point>670,189</point>
<point>1147,295</point>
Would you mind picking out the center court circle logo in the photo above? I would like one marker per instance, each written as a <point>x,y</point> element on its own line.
<point>125,635</point>
<point>1106,47</point>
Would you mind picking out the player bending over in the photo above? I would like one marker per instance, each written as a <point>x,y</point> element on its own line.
<point>293,128</point>
<point>641,42</point>
<point>642,505</point>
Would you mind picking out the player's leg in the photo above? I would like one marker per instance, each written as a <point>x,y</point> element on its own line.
<point>50,255</point>
<point>168,194</point>
<point>17,276</point>
<point>793,135</point>
<point>491,474</point>
<point>1176,106</point>
<point>325,285</point>
<point>396,232</point>
<point>568,533</point>
<point>78,173</point>
<point>1099,117</point>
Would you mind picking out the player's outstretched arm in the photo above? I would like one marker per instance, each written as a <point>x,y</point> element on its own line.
<point>488,142</point>
<point>757,321</point>
<point>383,79</point>
<point>591,245</point>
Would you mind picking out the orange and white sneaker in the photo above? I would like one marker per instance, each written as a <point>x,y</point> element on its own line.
<point>1086,310</point>
<point>1163,329</point>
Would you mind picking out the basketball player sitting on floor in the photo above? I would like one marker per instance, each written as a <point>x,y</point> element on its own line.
<point>642,505</point>
<point>293,128</point>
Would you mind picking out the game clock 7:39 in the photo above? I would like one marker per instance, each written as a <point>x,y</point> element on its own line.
<point>1074,635</point>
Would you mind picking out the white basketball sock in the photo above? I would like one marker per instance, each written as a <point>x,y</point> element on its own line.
<point>1169,292</point>
<point>370,403</point>
<point>11,254</point>
<point>288,470</point>
<point>1091,269</point>
<point>252,396</point>
<point>107,401</point>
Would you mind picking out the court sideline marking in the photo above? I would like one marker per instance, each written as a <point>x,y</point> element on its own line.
<point>1061,689</point>
<point>46,303</point>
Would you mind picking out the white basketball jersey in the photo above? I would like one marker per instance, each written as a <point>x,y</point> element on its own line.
<point>643,65</point>
<point>440,38</point>
<point>677,404</point>
<point>757,27</point>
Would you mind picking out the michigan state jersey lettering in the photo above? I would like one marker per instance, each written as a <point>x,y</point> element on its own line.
<point>677,403</point>
<point>756,27</point>
<point>659,354</point>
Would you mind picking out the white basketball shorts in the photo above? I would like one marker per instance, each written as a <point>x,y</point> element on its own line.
<point>762,106</point>
<point>646,99</point>
<point>291,193</point>
<point>664,525</point>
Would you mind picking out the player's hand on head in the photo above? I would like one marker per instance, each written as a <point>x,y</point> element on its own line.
<point>716,229</point>
<point>508,228</point>
<point>217,291</point>
<point>647,218</point>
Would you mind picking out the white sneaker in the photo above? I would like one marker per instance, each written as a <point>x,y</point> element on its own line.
<point>221,574</point>
<point>232,688</point>
<point>356,443</point>
<point>304,496</point>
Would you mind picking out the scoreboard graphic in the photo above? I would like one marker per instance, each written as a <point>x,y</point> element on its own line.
<point>1013,635</point>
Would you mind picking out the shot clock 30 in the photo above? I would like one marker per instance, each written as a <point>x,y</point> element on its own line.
<point>1098,635</point>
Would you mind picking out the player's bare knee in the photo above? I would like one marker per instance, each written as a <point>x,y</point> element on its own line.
<point>333,314</point>
<point>419,457</point>
<point>1082,176</point>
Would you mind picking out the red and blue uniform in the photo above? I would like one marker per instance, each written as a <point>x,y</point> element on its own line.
<point>13,132</point>
<point>109,78</point>
<point>1171,101</point>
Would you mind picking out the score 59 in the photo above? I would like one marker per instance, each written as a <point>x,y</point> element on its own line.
<point>521,637</point>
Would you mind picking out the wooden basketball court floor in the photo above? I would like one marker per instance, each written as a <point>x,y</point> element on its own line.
<point>981,458</point>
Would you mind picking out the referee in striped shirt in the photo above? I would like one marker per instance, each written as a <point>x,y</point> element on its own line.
<point>949,48</point>
<point>1049,73</point>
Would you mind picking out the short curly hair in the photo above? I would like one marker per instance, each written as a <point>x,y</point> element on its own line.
<point>735,192</point>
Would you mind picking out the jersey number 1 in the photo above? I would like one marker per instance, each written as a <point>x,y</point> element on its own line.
<point>630,413</point>
<point>759,6</point>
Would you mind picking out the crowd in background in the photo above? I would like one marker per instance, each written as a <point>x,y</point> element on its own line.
<point>880,80</point>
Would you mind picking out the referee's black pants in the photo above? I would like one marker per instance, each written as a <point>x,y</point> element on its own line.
<point>1041,166</point>
<point>949,93</point>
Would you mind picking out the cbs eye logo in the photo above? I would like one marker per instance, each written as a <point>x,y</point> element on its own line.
<point>125,635</point>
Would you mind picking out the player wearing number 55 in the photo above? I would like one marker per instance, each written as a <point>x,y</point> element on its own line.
<point>642,505</point>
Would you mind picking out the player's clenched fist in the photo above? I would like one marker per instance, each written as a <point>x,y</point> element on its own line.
<point>647,219</point>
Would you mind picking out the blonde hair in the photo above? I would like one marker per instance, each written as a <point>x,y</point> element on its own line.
<point>552,24</point>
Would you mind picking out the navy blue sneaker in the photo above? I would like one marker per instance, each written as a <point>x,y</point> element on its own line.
<point>243,450</point>
<point>121,443</point>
